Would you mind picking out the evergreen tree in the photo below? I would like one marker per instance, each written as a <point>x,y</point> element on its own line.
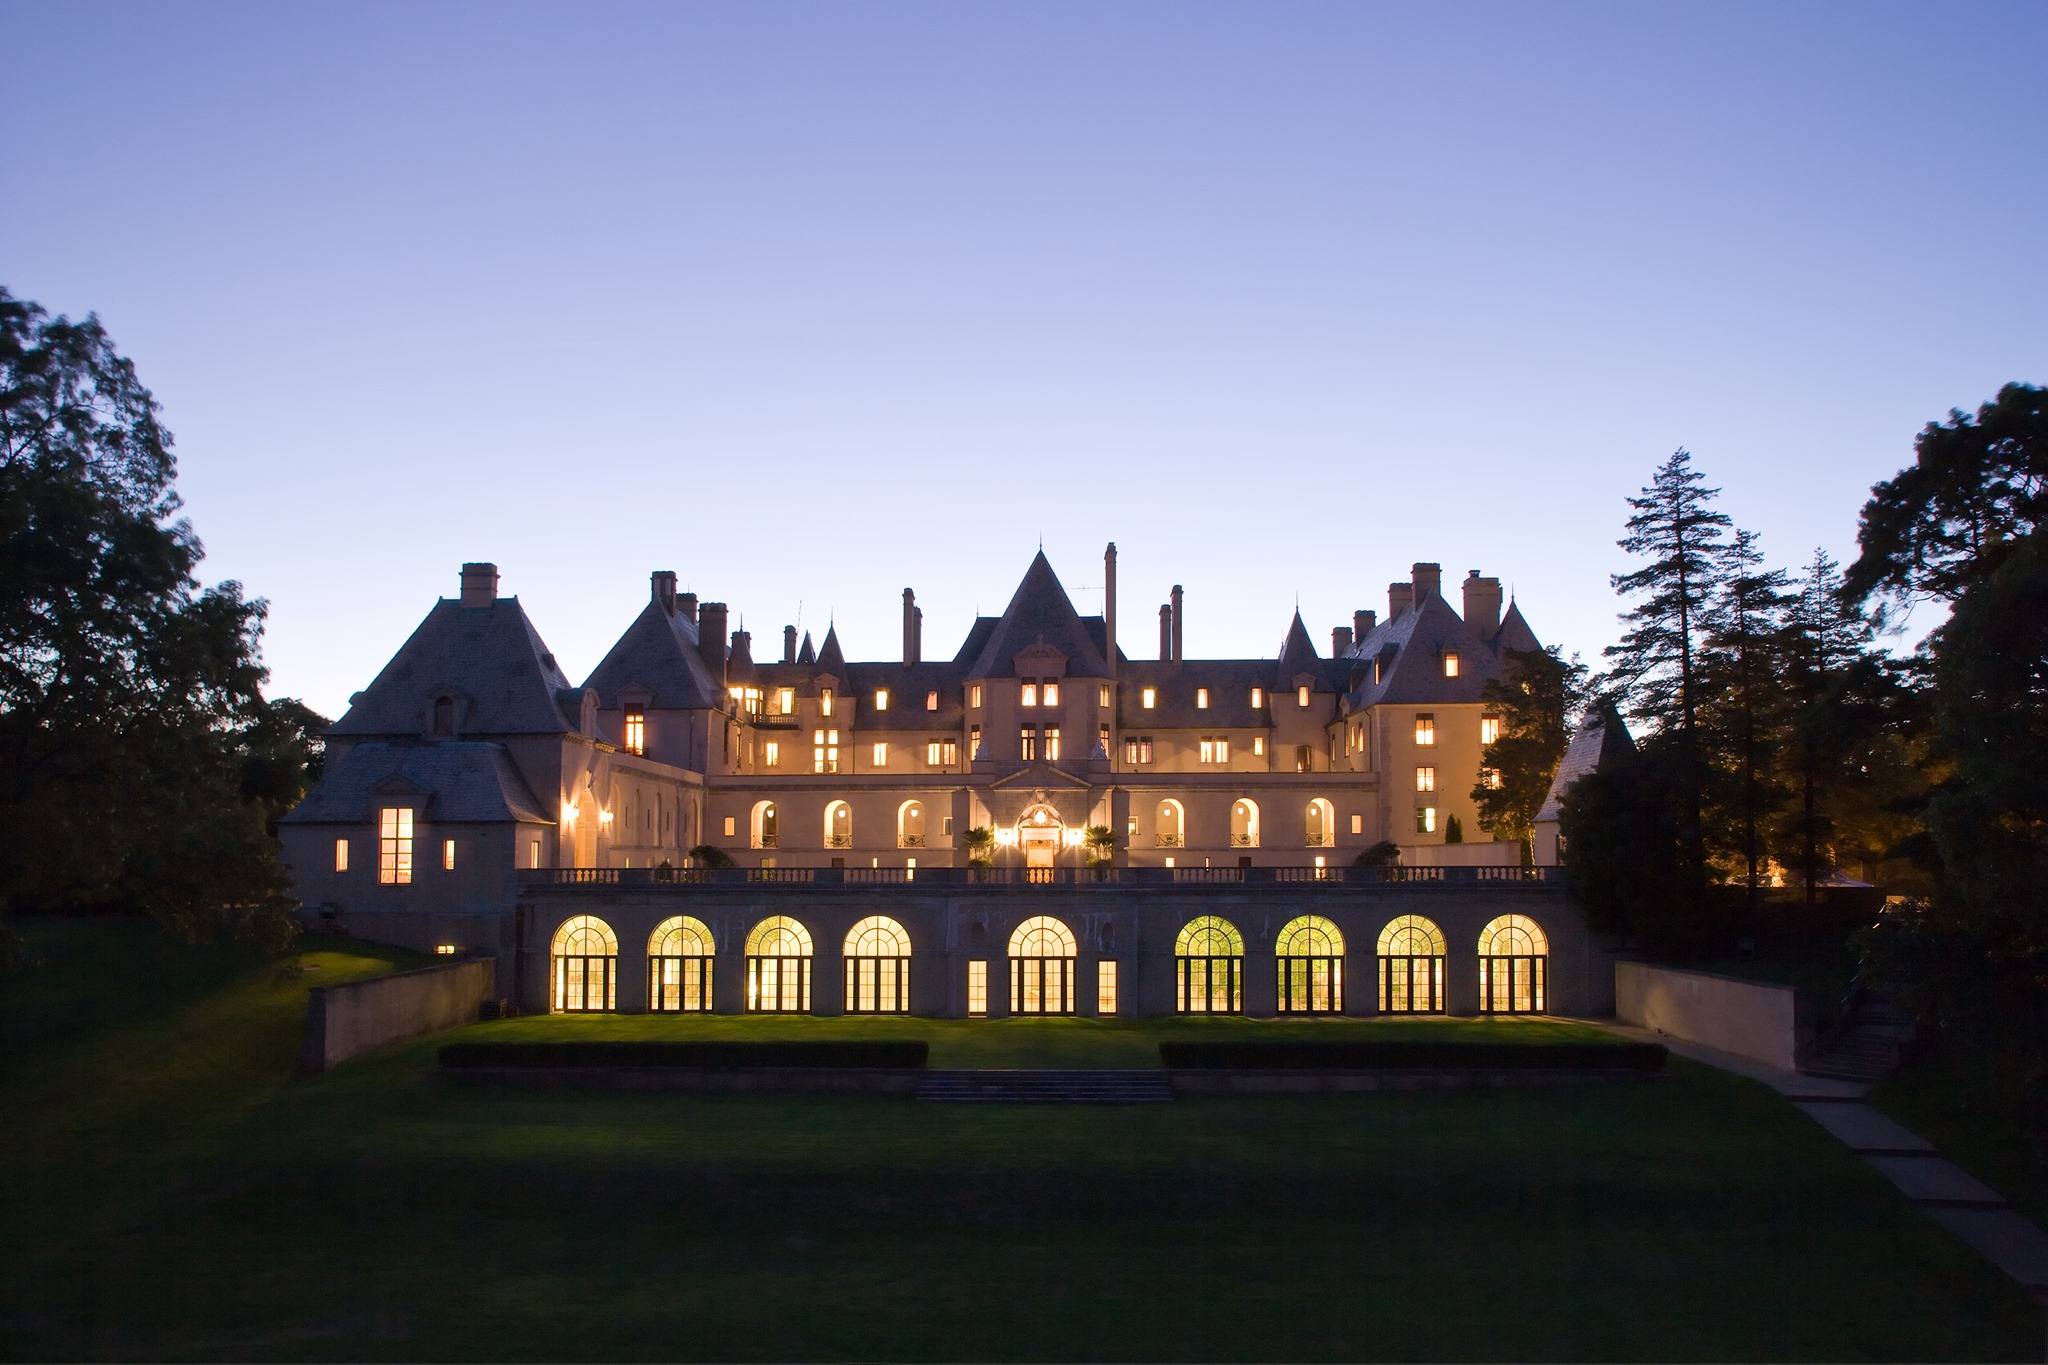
<point>1741,714</point>
<point>1535,698</point>
<point>1824,639</point>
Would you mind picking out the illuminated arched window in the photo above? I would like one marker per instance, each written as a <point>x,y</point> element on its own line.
<point>1208,960</point>
<point>585,959</point>
<point>1171,824</point>
<point>877,967</point>
<point>779,967</point>
<point>1310,955</point>
<point>838,825</point>
<point>1321,824</point>
<point>1042,967</point>
<point>679,955</point>
<point>910,825</point>
<point>1412,966</point>
<point>1244,823</point>
<point>1514,956</point>
<point>766,831</point>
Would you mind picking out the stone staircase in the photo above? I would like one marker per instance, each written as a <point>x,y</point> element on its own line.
<point>1045,1087</point>
<point>1868,1050</point>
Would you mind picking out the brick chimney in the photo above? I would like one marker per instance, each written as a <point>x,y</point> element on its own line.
<point>711,639</point>
<point>1179,622</point>
<point>1165,632</point>
<point>479,585</point>
<point>1109,604</point>
<point>1429,581</point>
<point>688,603</point>
<point>1362,623</point>
<point>1482,605</point>
<point>789,644</point>
<point>1340,641</point>
<point>913,629</point>
<point>662,584</point>
<point>1400,597</point>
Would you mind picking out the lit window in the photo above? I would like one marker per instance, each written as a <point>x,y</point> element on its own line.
<point>1425,779</point>
<point>1425,731</point>
<point>1105,987</point>
<point>341,855</point>
<point>1052,694</point>
<point>1491,777</point>
<point>728,826</point>
<point>1301,696</point>
<point>1027,743</point>
<point>1149,698</point>
<point>973,743</point>
<point>931,753</point>
<point>946,825</point>
<point>1137,748</point>
<point>786,700</point>
<point>1358,824</point>
<point>447,855</point>
<point>881,754</point>
<point>977,988</point>
<point>1258,697</point>
<point>1027,695</point>
<point>825,702</point>
<point>394,846</point>
<point>1104,737</point>
<point>1052,743</point>
<point>1304,758</point>
<point>1489,729</point>
<point>751,701</point>
<point>1216,750</point>
<point>1201,699</point>
<point>636,730</point>
<point>882,699</point>
<point>1425,819</point>
<point>771,754</point>
<point>931,700</point>
<point>1258,746</point>
<point>1102,695</point>
<point>533,853</point>
<point>445,949</point>
<point>974,695</point>
<point>824,752</point>
<point>1450,665</point>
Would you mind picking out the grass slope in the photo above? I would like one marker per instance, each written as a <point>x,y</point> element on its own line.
<point>372,1213</point>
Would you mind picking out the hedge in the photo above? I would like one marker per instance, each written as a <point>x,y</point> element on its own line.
<point>1363,1055</point>
<point>701,1056</point>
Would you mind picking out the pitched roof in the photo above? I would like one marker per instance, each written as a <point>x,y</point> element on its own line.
<point>658,652</point>
<point>489,656</point>
<point>1514,633</point>
<point>1601,738</point>
<point>451,781</point>
<point>1039,611</point>
<point>1410,650</point>
<point>807,655</point>
<point>831,659</point>
<point>1297,654</point>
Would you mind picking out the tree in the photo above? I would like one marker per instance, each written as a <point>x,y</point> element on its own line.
<point>1742,717</point>
<point>1535,698</point>
<point>128,696</point>
<point>1622,833</point>
<point>709,855</point>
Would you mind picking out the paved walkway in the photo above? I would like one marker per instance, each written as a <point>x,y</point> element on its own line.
<point>1972,1212</point>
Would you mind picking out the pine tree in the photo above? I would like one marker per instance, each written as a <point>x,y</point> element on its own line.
<point>1742,717</point>
<point>1534,700</point>
<point>1824,638</point>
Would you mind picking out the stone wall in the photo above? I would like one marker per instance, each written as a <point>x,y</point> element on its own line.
<point>1747,1018</point>
<point>361,1016</point>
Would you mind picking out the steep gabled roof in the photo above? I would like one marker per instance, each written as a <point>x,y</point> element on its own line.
<point>659,652</point>
<point>807,655</point>
<point>1411,649</point>
<point>1514,633</point>
<point>448,782</point>
<point>491,657</point>
<point>1039,610</point>
<point>831,659</point>
<point>1602,737</point>
<point>1297,655</point>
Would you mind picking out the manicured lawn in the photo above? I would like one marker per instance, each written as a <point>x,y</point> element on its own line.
<point>211,1207</point>
<point>1931,1096</point>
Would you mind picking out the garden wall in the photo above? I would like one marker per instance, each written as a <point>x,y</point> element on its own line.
<point>361,1016</point>
<point>1747,1018</point>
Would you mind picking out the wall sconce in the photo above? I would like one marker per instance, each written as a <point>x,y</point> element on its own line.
<point>1073,837</point>
<point>569,812</point>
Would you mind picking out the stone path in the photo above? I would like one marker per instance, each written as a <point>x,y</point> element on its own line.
<point>1973,1213</point>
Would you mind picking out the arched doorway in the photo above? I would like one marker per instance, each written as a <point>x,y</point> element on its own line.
<point>910,825</point>
<point>585,960</point>
<point>1042,967</point>
<point>1411,967</point>
<point>1170,824</point>
<point>679,956</point>
<point>1513,957</point>
<point>1320,826</point>
<point>877,967</point>
<point>1244,823</point>
<point>1310,953</point>
<point>766,831</point>
<point>1040,833</point>
<point>838,825</point>
<point>779,967</point>
<point>1208,964</point>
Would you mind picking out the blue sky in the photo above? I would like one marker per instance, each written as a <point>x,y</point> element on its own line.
<point>814,303</point>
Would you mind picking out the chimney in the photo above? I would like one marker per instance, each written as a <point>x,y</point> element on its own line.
<point>479,585</point>
<point>913,629</point>
<point>1400,597</point>
<point>1362,623</point>
<point>741,662</point>
<point>1482,605</point>
<point>1179,621</point>
<point>663,584</point>
<point>711,640</point>
<point>1165,632</point>
<point>1340,642</point>
<point>1109,605</point>
<point>789,644</point>
<point>688,602</point>
<point>1429,581</point>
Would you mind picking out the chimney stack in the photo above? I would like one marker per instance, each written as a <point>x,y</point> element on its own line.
<point>789,644</point>
<point>479,585</point>
<point>1400,597</point>
<point>663,584</point>
<point>1179,621</point>
<point>1165,632</point>
<point>1362,623</point>
<point>741,662</point>
<point>1429,581</point>
<point>913,629</point>
<point>688,602</point>
<point>1340,642</point>
<point>1109,604</point>
<point>1482,605</point>
<point>711,640</point>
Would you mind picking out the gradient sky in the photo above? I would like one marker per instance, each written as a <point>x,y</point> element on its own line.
<point>813,303</point>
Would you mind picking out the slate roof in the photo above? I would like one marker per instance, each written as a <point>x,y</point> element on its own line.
<point>1230,683</point>
<point>491,656</point>
<point>1602,736</point>
<point>1297,655</point>
<point>1514,633</point>
<point>449,781</point>
<point>831,659</point>
<point>659,652</point>
<point>1411,648</point>
<point>1039,610</point>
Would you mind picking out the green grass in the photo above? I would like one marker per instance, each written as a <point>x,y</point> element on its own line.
<point>222,1210</point>
<point>1930,1096</point>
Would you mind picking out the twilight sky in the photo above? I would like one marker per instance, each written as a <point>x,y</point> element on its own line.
<point>811,303</point>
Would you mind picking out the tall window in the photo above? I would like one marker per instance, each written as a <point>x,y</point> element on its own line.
<point>1310,954</point>
<point>1450,665</point>
<point>771,753</point>
<point>881,699</point>
<point>1489,729</point>
<point>1149,698</point>
<point>785,698</point>
<point>977,988</point>
<point>881,753</point>
<point>1052,694</point>
<point>931,700</point>
<point>1425,778</point>
<point>824,751</point>
<point>779,967</point>
<point>1258,746</point>
<point>1411,967</point>
<point>1208,960</point>
<point>825,702</point>
<point>1027,743</point>
<point>1201,699</point>
<point>974,695</point>
<point>1052,743</point>
<point>973,742</point>
<point>1513,958</point>
<point>636,730</point>
<point>533,853</point>
<point>586,959</point>
<point>1027,694</point>
<point>1042,967</point>
<point>1102,694</point>
<point>1137,748</point>
<point>1103,736</point>
<point>1425,819</point>
<point>1491,777</point>
<point>877,967</point>
<point>1425,730</point>
<point>394,846</point>
<point>1258,697</point>
<point>679,959</point>
<point>447,855</point>
<point>1301,696</point>
<point>1304,758</point>
<point>1105,988</point>
<point>341,855</point>
<point>1216,749</point>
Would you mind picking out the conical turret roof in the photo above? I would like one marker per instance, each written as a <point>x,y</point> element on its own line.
<point>1039,611</point>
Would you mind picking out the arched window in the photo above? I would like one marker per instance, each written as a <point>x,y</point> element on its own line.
<point>779,967</point>
<point>1412,967</point>
<point>1171,822</point>
<point>585,966</point>
<point>1321,825</point>
<point>1042,967</point>
<point>910,825</point>
<point>1244,823</point>
<point>1513,955</point>
<point>1310,952</point>
<point>877,967</point>
<point>1208,961</point>
<point>679,955</point>
<point>838,825</point>
<point>765,832</point>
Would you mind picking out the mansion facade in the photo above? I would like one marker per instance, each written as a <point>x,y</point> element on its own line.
<point>472,790</point>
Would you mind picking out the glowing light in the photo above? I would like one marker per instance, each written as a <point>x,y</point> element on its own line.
<point>569,812</point>
<point>1073,838</point>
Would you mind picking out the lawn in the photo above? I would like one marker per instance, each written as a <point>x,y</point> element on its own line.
<point>174,1194</point>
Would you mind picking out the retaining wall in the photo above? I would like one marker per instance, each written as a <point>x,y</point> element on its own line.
<point>361,1016</point>
<point>1747,1018</point>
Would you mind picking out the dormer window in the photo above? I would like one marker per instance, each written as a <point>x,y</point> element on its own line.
<point>882,699</point>
<point>1450,665</point>
<point>1258,697</point>
<point>785,700</point>
<point>825,702</point>
<point>444,717</point>
<point>931,700</point>
<point>1149,698</point>
<point>1027,695</point>
<point>1201,699</point>
<point>636,730</point>
<point>1301,696</point>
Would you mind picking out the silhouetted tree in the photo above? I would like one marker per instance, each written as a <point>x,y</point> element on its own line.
<point>1535,698</point>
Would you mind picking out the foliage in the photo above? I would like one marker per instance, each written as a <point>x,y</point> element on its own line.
<point>1622,834</point>
<point>1741,715</point>
<point>139,762</point>
<point>709,855</point>
<point>1535,697</point>
<point>1100,841</point>
<point>1454,830</point>
<point>1385,853</point>
<point>981,845</point>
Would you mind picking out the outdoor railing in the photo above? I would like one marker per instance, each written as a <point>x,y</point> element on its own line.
<point>951,878</point>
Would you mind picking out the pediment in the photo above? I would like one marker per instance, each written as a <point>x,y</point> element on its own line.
<point>1042,777</point>
<point>1039,660</point>
<point>635,694</point>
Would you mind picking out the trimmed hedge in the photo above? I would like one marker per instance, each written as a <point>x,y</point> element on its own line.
<point>700,1056</point>
<point>1362,1055</point>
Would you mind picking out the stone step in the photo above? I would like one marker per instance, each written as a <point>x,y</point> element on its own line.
<point>1045,1087</point>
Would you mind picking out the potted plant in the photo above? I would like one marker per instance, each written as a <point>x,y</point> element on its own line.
<point>981,847</point>
<point>1100,841</point>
